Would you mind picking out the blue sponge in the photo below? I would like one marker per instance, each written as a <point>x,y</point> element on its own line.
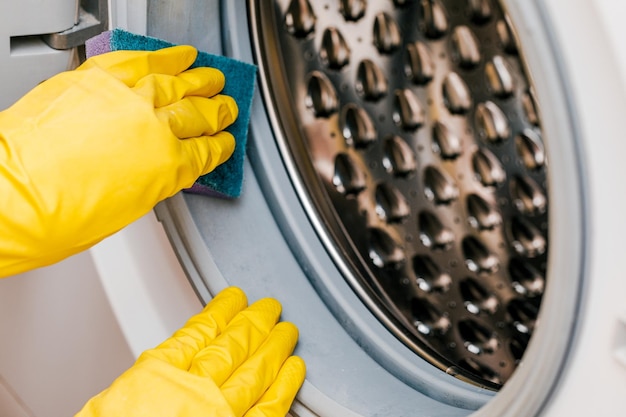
<point>227,179</point>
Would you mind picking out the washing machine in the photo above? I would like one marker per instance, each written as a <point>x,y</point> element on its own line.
<point>431,190</point>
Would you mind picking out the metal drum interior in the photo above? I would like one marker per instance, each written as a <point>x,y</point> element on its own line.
<point>414,129</point>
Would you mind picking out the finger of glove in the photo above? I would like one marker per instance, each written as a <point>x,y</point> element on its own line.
<point>131,66</point>
<point>198,116</point>
<point>202,155</point>
<point>248,383</point>
<point>164,89</point>
<point>243,336</point>
<point>200,330</point>
<point>278,398</point>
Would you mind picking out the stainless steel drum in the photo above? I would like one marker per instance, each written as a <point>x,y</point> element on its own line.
<point>415,137</point>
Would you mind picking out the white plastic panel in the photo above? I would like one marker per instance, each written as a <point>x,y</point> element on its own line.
<point>26,60</point>
<point>10,404</point>
<point>594,380</point>
<point>146,287</point>
<point>61,343</point>
<point>36,17</point>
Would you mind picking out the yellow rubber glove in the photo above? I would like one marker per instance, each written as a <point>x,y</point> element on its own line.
<point>88,151</point>
<point>225,362</point>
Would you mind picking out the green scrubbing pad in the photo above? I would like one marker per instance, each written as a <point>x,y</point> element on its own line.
<point>227,179</point>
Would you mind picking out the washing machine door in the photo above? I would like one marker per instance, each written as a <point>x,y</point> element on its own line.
<point>430,191</point>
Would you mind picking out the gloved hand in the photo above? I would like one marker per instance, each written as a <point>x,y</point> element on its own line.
<point>226,361</point>
<point>89,151</point>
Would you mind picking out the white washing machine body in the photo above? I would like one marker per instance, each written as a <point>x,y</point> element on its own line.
<point>266,243</point>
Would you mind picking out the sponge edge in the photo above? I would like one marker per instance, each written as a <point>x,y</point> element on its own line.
<point>226,180</point>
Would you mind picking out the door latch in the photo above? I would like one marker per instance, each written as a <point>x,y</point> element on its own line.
<point>91,19</point>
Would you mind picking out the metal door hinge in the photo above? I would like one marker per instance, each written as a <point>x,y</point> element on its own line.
<point>92,19</point>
